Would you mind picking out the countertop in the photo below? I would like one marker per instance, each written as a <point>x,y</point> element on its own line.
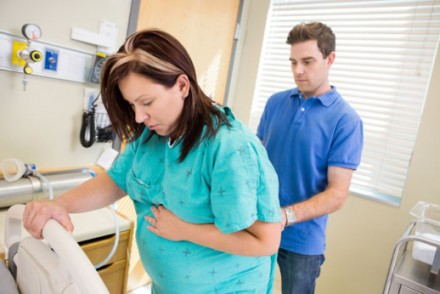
<point>87,225</point>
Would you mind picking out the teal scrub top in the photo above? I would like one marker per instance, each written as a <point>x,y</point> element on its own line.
<point>226,180</point>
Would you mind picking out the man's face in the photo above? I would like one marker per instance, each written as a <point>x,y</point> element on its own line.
<point>310,69</point>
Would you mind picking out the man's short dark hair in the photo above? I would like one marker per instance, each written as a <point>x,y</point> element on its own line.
<point>306,31</point>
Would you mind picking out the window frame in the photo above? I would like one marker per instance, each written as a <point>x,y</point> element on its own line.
<point>405,39</point>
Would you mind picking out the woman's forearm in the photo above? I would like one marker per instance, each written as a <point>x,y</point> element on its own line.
<point>92,194</point>
<point>260,239</point>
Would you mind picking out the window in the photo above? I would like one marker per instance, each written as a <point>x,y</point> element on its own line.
<point>384,58</point>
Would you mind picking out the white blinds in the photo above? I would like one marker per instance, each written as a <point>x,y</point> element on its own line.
<point>384,57</point>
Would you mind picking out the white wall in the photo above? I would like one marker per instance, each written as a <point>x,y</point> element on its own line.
<point>42,124</point>
<point>361,236</point>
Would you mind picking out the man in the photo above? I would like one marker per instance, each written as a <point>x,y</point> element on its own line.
<point>314,140</point>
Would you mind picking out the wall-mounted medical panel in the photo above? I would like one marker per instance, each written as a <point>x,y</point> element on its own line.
<point>58,62</point>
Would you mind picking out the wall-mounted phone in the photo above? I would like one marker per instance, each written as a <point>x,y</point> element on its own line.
<point>96,126</point>
<point>96,70</point>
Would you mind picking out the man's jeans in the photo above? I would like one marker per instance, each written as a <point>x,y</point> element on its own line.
<point>299,272</point>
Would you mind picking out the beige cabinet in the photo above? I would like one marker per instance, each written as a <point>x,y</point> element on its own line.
<point>115,272</point>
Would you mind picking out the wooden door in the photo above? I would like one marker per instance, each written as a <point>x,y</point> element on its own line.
<point>205,27</point>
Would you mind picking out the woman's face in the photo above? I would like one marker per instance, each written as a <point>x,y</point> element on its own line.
<point>156,106</point>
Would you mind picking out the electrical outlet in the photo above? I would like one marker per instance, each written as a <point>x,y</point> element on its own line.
<point>51,59</point>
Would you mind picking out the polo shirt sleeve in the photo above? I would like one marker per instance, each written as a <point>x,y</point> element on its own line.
<point>261,129</point>
<point>244,185</point>
<point>347,145</point>
<point>262,125</point>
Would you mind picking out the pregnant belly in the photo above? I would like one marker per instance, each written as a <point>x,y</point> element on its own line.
<point>184,267</point>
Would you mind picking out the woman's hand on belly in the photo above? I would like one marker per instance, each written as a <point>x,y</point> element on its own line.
<point>166,224</point>
<point>260,239</point>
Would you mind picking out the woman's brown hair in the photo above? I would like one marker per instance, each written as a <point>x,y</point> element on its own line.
<point>162,58</point>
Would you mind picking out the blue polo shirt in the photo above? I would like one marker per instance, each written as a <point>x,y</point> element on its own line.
<point>303,138</point>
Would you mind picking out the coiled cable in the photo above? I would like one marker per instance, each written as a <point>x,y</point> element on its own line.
<point>87,134</point>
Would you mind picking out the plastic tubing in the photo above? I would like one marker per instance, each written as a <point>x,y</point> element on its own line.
<point>115,244</point>
<point>46,183</point>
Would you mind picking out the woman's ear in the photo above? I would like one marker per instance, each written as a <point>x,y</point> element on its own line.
<point>183,85</point>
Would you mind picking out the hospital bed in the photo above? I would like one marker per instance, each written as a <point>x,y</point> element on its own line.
<point>55,264</point>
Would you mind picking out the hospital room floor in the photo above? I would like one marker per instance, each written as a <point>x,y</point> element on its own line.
<point>142,290</point>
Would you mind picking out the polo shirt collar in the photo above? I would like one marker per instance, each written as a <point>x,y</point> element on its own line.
<point>326,99</point>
